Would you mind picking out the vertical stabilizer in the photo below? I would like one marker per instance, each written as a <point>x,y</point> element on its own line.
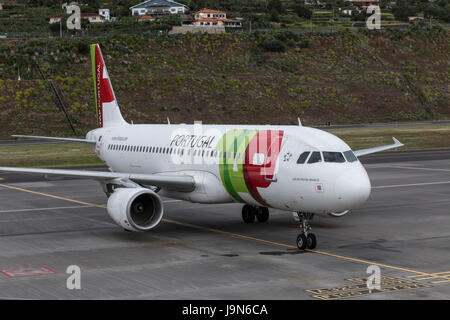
<point>108,112</point>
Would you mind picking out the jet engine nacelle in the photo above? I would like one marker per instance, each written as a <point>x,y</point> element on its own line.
<point>338,214</point>
<point>135,209</point>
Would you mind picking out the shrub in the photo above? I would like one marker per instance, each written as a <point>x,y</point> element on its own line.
<point>304,43</point>
<point>82,48</point>
<point>273,46</point>
<point>287,35</point>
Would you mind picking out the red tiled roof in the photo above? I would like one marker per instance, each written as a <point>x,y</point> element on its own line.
<point>145,17</point>
<point>208,11</point>
<point>214,19</point>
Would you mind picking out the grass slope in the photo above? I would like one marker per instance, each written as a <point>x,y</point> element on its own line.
<point>341,78</point>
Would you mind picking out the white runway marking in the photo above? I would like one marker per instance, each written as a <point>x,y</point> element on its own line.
<point>411,185</point>
<point>417,168</point>
<point>40,209</point>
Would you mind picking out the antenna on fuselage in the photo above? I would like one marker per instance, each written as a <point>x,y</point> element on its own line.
<point>168,121</point>
<point>299,122</point>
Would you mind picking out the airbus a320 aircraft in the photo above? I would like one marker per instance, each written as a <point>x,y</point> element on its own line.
<point>301,170</point>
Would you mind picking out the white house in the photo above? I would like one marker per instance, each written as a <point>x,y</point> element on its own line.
<point>156,7</point>
<point>105,13</point>
<point>213,18</point>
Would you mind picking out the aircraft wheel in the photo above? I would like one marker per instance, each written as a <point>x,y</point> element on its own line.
<point>262,214</point>
<point>248,214</point>
<point>311,241</point>
<point>301,241</point>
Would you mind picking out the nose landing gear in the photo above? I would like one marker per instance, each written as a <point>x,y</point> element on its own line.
<point>305,239</point>
<point>249,213</point>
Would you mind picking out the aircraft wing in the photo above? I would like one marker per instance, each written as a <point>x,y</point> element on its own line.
<point>178,182</point>
<point>363,152</point>
<point>54,138</point>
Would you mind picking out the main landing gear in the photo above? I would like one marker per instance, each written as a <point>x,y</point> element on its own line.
<point>249,213</point>
<point>305,239</point>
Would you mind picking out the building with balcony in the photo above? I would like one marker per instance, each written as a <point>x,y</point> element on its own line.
<point>158,7</point>
<point>214,18</point>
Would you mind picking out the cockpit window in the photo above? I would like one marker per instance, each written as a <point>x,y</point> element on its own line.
<point>333,157</point>
<point>315,157</point>
<point>350,156</point>
<point>303,157</point>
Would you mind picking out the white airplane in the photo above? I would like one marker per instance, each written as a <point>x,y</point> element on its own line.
<point>302,170</point>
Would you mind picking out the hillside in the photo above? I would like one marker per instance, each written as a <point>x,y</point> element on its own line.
<point>340,78</point>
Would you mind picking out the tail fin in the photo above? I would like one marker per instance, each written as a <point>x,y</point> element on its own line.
<point>108,112</point>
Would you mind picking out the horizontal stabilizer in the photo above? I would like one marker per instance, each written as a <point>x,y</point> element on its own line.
<point>363,152</point>
<point>54,138</point>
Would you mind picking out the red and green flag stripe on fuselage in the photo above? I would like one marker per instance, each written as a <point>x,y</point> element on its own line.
<point>245,174</point>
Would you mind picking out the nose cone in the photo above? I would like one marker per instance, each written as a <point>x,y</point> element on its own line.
<point>352,188</point>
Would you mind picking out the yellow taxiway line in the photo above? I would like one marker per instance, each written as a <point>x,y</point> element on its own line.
<point>237,235</point>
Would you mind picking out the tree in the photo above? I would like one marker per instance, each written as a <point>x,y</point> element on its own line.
<point>302,11</point>
<point>404,9</point>
<point>274,16</point>
<point>275,5</point>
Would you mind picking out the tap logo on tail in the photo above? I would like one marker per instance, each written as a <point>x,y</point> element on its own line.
<point>102,85</point>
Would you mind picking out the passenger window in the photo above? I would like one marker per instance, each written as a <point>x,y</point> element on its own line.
<point>333,157</point>
<point>303,157</point>
<point>315,157</point>
<point>350,156</point>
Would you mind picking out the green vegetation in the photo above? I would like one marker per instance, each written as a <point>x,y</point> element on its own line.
<point>439,9</point>
<point>48,155</point>
<point>414,137</point>
<point>347,77</point>
<point>31,17</point>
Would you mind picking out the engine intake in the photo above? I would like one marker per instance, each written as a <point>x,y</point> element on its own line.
<point>135,209</point>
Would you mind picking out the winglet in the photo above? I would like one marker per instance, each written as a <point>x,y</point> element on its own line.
<point>398,143</point>
<point>363,152</point>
